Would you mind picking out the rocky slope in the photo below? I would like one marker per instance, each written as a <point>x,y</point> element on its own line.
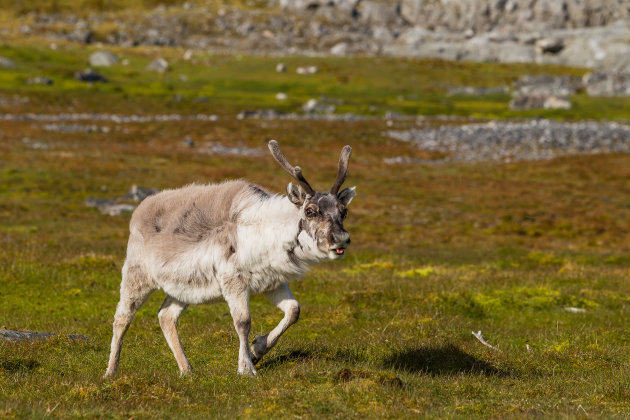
<point>585,33</point>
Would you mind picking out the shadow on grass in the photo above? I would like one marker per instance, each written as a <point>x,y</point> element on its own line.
<point>17,365</point>
<point>349,354</point>
<point>440,360</point>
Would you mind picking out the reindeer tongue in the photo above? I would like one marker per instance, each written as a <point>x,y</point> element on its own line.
<point>339,251</point>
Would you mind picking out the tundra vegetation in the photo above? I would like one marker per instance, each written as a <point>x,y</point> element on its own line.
<point>533,254</point>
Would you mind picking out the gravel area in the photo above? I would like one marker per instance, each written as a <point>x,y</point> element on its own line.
<point>517,141</point>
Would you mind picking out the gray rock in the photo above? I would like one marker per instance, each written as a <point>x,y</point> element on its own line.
<point>547,85</point>
<point>517,141</point>
<point>138,194</point>
<point>39,81</point>
<point>321,107</point>
<point>89,75</point>
<point>159,65</point>
<point>603,83</point>
<point>549,45</point>
<point>374,12</point>
<point>14,336</point>
<point>525,102</point>
<point>81,33</point>
<point>220,149</point>
<point>340,49</point>
<point>103,59</point>
<point>7,63</point>
<point>281,68</point>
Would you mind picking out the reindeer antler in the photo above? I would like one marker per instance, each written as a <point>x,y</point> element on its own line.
<point>344,158</point>
<point>296,172</point>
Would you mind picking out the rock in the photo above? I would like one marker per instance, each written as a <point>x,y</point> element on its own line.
<point>81,33</point>
<point>117,209</point>
<point>39,81</point>
<point>340,49</point>
<point>518,141</point>
<point>269,114</point>
<point>478,90</point>
<point>14,336</point>
<point>374,12</point>
<point>314,106</point>
<point>89,75</point>
<point>188,142</point>
<point>411,10</point>
<point>549,45</point>
<point>113,207</point>
<point>159,65</point>
<point>281,68</point>
<point>554,102</point>
<point>525,102</point>
<point>7,63</point>
<point>219,149</point>
<point>103,59</point>
<point>188,54</point>
<point>281,96</point>
<point>138,194</point>
<point>306,70</point>
<point>547,85</point>
<point>602,83</point>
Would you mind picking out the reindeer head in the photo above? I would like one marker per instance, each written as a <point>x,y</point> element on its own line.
<point>322,214</point>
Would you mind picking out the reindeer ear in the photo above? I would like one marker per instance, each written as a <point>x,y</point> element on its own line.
<point>295,194</point>
<point>346,195</point>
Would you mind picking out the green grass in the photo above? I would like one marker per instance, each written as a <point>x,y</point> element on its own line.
<point>229,84</point>
<point>437,252</point>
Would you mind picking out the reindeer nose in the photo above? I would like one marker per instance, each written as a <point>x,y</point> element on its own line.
<point>341,238</point>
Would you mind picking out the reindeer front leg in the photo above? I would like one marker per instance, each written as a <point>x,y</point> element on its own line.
<point>283,299</point>
<point>238,301</point>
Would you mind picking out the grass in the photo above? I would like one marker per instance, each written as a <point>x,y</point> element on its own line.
<point>438,251</point>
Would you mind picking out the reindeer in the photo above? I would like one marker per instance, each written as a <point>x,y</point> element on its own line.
<point>201,243</point>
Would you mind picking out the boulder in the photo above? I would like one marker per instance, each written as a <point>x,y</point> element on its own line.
<point>159,65</point>
<point>602,83</point>
<point>89,75</point>
<point>103,59</point>
<point>6,63</point>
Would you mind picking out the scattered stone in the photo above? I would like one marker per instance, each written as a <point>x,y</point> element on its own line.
<point>340,49</point>
<point>281,68</point>
<point>188,142</point>
<point>525,102</point>
<point>188,54</point>
<point>93,116</point>
<point>518,141</point>
<point>103,59</point>
<point>603,83</point>
<point>219,149</point>
<point>138,194</point>
<point>159,65</point>
<point>76,128</point>
<point>15,336</point>
<point>7,63</point>
<point>314,106</point>
<point>548,85</point>
<point>405,160</point>
<point>270,114</point>
<point>114,207</point>
<point>81,33</point>
<point>306,70</point>
<point>575,310</point>
<point>478,90</point>
<point>554,102</point>
<point>90,75</point>
<point>39,81</point>
<point>281,96</point>
<point>549,45</point>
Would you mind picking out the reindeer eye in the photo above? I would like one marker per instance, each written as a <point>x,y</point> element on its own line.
<point>310,212</point>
